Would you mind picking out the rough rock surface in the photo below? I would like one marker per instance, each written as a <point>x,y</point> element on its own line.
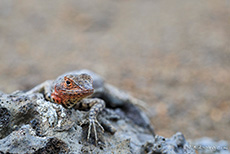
<point>174,145</point>
<point>207,145</point>
<point>35,125</point>
<point>31,124</point>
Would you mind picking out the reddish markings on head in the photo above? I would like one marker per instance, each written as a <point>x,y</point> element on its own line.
<point>56,98</point>
<point>72,89</point>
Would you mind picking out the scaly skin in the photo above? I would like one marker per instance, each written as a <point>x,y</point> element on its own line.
<point>70,90</point>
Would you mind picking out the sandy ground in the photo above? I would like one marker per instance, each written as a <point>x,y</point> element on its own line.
<point>175,55</point>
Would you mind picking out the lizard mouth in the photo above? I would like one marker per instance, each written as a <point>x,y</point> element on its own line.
<point>88,91</point>
<point>79,92</point>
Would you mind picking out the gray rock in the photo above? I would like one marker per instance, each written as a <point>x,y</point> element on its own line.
<point>207,145</point>
<point>23,140</point>
<point>31,124</point>
<point>174,145</point>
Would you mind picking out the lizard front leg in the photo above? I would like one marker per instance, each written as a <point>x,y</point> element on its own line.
<point>95,105</point>
<point>45,87</point>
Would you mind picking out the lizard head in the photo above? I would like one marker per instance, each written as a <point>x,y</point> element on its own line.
<point>82,83</point>
<point>73,88</point>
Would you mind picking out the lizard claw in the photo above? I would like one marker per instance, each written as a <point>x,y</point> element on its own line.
<point>92,123</point>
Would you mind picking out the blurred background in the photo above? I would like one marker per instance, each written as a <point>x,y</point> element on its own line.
<point>174,55</point>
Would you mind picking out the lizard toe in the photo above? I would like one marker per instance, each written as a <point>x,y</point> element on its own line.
<point>92,125</point>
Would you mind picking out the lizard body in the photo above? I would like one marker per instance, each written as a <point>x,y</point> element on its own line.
<point>71,90</point>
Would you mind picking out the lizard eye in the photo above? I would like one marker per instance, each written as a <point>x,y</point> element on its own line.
<point>67,82</point>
